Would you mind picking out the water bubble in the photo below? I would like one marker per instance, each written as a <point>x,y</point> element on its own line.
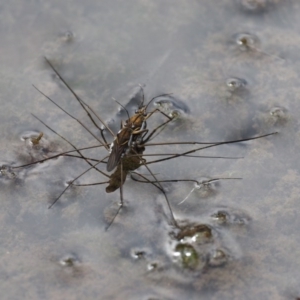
<point>246,41</point>
<point>152,266</point>
<point>186,255</point>
<point>221,217</point>
<point>234,84</point>
<point>249,42</point>
<point>175,114</point>
<point>218,258</point>
<point>69,260</point>
<point>138,254</point>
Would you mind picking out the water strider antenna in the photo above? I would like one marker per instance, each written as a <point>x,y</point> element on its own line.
<point>122,107</point>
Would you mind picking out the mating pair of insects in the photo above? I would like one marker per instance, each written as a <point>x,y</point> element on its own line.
<point>127,148</point>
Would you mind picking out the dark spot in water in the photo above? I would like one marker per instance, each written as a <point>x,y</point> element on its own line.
<point>69,260</point>
<point>138,254</point>
<point>152,266</point>
<point>246,41</point>
<point>71,268</point>
<point>221,217</point>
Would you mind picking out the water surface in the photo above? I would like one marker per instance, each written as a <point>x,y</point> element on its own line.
<point>232,67</point>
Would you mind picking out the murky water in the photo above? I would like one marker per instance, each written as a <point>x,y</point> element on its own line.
<point>232,68</point>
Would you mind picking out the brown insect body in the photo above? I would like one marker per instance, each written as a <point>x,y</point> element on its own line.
<point>133,128</point>
<point>128,163</point>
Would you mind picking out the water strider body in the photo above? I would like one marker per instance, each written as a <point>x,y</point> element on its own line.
<point>130,162</point>
<point>133,128</point>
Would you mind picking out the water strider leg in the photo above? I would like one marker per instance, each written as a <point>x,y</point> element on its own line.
<point>83,104</point>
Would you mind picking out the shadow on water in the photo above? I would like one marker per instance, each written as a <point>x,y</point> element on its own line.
<point>233,72</point>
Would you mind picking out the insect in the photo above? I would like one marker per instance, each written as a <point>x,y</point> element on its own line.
<point>126,150</point>
<point>133,128</point>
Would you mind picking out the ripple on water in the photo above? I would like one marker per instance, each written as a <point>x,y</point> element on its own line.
<point>36,146</point>
<point>279,115</point>
<point>275,116</point>
<point>229,216</point>
<point>172,106</point>
<point>69,260</point>
<point>206,187</point>
<point>235,84</point>
<point>249,42</point>
<point>67,36</point>
<point>6,172</point>
<point>254,5</point>
<point>246,41</point>
<point>71,266</point>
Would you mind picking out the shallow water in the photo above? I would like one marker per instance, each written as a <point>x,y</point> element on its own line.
<point>234,66</point>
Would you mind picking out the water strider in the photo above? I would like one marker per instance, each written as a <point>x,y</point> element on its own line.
<point>126,152</point>
<point>132,129</point>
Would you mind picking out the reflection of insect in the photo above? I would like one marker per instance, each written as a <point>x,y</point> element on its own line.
<point>131,143</point>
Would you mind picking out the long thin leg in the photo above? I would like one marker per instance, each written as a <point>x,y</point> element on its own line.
<point>82,103</point>
<point>89,131</point>
<point>72,182</point>
<point>71,145</point>
<point>209,146</point>
<point>212,143</point>
<point>154,130</point>
<point>121,199</point>
<point>167,200</point>
<point>56,156</point>
<point>91,184</point>
<point>182,180</point>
